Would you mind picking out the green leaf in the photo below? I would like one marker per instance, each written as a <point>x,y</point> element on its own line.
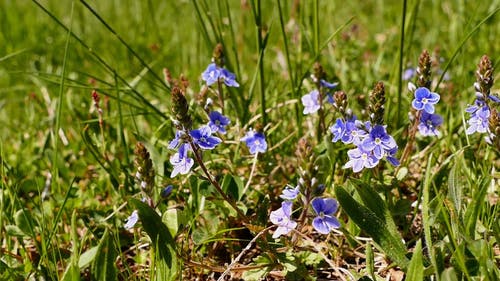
<point>23,222</point>
<point>376,204</point>
<point>233,186</point>
<point>368,221</point>
<point>173,219</point>
<point>72,273</point>
<point>103,266</point>
<point>416,267</point>
<point>87,257</point>
<point>162,241</point>
<point>258,273</point>
<point>455,187</point>
<point>13,230</point>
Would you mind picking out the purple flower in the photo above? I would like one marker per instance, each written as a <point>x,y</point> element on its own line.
<point>181,162</point>
<point>281,218</point>
<point>213,74</point>
<point>479,119</point>
<point>359,159</point>
<point>425,100</point>
<point>290,193</point>
<point>378,141</point>
<point>218,122</point>
<point>311,102</point>
<point>203,137</point>
<point>429,123</point>
<point>256,142</point>
<point>132,220</point>
<point>324,222</point>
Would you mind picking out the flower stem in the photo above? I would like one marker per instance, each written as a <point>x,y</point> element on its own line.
<point>220,94</point>
<point>215,183</point>
<point>411,140</point>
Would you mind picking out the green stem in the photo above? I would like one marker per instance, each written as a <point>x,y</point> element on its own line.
<point>400,68</point>
<point>217,186</point>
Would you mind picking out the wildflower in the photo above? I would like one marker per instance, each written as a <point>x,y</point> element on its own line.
<point>389,156</point>
<point>203,137</point>
<point>165,192</point>
<point>181,162</point>
<point>255,141</point>
<point>408,74</point>
<point>176,141</point>
<point>213,74</point>
<point>132,220</point>
<point>281,218</point>
<point>359,159</point>
<point>425,100</point>
<point>324,222</point>
<point>218,122</point>
<point>347,132</point>
<point>290,193</point>
<point>378,141</point>
<point>429,123</point>
<point>145,172</point>
<point>311,102</point>
<point>479,119</point>
<point>328,85</point>
<point>229,78</point>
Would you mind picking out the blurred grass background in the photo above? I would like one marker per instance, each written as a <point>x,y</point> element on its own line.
<point>180,36</point>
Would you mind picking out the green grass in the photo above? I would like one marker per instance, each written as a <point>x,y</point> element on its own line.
<point>53,54</point>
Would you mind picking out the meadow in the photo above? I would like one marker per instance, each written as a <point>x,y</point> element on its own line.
<point>249,140</point>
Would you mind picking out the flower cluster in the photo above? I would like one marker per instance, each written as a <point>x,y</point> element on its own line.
<point>314,100</point>
<point>324,208</point>
<point>371,139</point>
<point>481,118</point>
<point>201,138</point>
<point>373,143</point>
<point>424,102</point>
<point>214,74</point>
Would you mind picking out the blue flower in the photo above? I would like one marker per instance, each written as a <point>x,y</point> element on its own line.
<point>165,192</point>
<point>132,220</point>
<point>229,78</point>
<point>213,74</point>
<point>324,222</point>
<point>479,119</point>
<point>311,102</point>
<point>379,142</point>
<point>290,193</point>
<point>429,123</point>
<point>389,156</point>
<point>409,73</point>
<point>328,85</point>
<point>348,132</point>
<point>425,100</point>
<point>203,137</point>
<point>281,218</point>
<point>359,159</point>
<point>176,141</point>
<point>181,162</point>
<point>256,142</point>
<point>218,122</point>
